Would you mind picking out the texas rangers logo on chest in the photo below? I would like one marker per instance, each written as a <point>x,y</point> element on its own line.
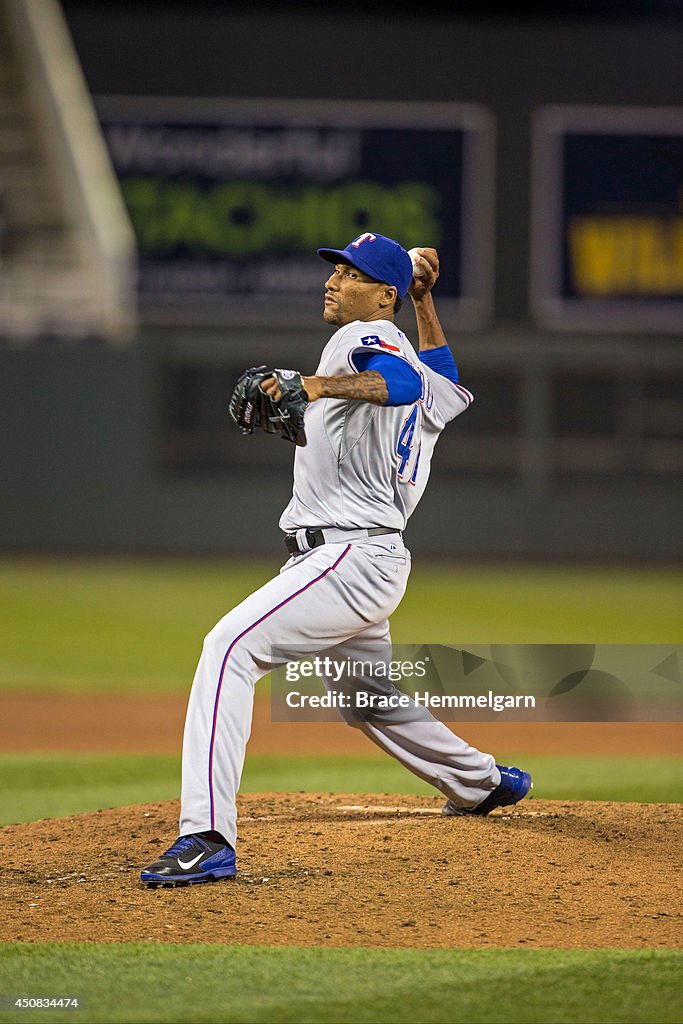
<point>375,341</point>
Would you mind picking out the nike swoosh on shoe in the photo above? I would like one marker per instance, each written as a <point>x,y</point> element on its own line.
<point>186,865</point>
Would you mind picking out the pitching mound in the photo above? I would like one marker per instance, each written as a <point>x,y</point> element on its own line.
<point>347,870</point>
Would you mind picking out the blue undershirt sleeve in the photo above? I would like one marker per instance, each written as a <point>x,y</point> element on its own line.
<point>441,360</point>
<point>403,380</point>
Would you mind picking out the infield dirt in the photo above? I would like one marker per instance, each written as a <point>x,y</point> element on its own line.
<point>143,724</point>
<point>349,870</point>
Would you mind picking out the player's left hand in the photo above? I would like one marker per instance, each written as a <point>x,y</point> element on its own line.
<point>272,388</point>
<point>311,385</point>
<point>274,400</point>
<point>421,286</point>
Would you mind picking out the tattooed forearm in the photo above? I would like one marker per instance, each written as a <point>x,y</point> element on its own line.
<point>369,386</point>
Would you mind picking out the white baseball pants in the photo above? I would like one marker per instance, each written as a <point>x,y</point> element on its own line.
<point>337,595</point>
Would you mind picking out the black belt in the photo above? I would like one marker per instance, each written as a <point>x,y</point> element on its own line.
<point>315,538</point>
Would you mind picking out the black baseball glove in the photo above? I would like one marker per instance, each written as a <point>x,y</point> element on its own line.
<point>251,407</point>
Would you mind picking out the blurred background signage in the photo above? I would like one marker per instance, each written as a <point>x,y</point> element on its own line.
<point>607,218</point>
<point>229,199</point>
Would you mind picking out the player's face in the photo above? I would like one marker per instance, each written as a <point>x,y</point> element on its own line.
<point>352,295</point>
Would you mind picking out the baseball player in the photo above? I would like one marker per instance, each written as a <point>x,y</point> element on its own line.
<point>373,412</point>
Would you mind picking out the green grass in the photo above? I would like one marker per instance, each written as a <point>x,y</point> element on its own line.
<point>135,625</point>
<point>136,982</point>
<point>52,786</point>
<point>111,624</point>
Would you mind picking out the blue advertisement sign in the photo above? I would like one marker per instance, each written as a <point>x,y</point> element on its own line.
<point>607,218</point>
<point>230,199</point>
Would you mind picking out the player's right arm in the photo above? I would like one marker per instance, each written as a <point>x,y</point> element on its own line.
<point>434,349</point>
<point>430,333</point>
<point>435,352</point>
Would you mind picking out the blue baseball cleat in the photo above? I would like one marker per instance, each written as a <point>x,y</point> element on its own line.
<point>514,786</point>
<point>191,859</point>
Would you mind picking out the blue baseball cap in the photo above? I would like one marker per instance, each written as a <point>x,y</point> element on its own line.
<point>378,257</point>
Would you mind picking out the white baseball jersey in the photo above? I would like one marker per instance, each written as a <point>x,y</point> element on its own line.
<point>367,465</point>
<point>364,466</point>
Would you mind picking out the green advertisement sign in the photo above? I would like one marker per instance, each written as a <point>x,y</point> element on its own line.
<point>230,199</point>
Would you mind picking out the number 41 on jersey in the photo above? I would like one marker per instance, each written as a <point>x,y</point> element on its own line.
<point>409,445</point>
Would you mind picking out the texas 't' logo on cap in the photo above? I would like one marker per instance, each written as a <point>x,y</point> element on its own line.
<point>367,236</point>
<point>377,256</point>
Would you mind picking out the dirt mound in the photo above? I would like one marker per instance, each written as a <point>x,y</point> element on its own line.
<point>349,870</point>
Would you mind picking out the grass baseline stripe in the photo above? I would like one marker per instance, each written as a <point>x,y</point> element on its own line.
<point>235,984</point>
<point>56,785</point>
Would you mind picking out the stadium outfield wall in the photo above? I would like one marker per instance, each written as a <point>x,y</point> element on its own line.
<point>131,450</point>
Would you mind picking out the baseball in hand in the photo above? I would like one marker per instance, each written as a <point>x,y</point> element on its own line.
<point>418,271</point>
